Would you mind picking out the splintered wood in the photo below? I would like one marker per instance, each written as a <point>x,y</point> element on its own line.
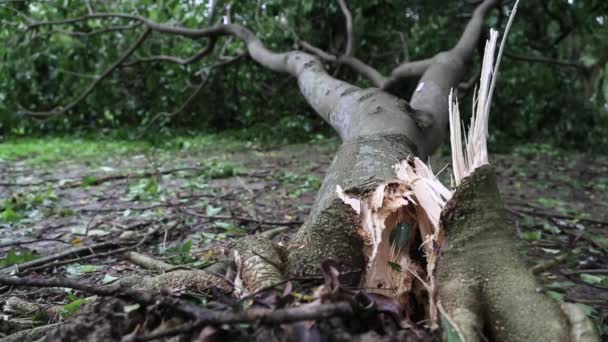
<point>415,198</point>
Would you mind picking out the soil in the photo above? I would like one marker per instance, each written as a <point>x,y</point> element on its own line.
<point>198,203</point>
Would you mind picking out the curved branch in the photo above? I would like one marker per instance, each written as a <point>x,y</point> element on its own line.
<point>349,28</point>
<point>89,89</point>
<point>368,71</point>
<point>468,40</point>
<point>444,72</point>
<point>405,70</point>
<point>177,60</point>
<point>463,50</point>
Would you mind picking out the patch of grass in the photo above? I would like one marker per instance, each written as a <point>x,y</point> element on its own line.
<point>50,150</point>
<point>46,150</point>
<point>302,183</point>
<point>533,149</point>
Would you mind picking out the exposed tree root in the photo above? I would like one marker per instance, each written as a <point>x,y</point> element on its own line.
<point>483,285</point>
<point>259,264</point>
<point>187,280</point>
<point>33,334</point>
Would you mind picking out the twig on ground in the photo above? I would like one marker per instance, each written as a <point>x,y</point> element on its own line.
<point>244,219</point>
<point>29,242</point>
<point>57,256</point>
<point>545,265</point>
<point>74,183</point>
<point>534,211</point>
<point>82,253</point>
<point>202,316</point>
<point>591,271</point>
<point>148,263</point>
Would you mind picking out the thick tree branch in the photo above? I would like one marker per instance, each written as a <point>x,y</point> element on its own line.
<point>444,72</point>
<point>356,64</point>
<point>89,89</point>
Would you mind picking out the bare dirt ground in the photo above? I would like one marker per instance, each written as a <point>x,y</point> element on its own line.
<point>77,219</point>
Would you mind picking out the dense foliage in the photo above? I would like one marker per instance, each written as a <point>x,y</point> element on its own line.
<point>562,101</point>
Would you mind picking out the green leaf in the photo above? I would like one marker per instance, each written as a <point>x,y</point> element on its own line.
<point>187,246</point>
<point>72,307</point>
<point>13,257</point>
<point>223,225</point>
<point>534,235</point>
<point>78,270</point>
<point>551,228</point>
<point>212,211</point>
<point>450,332</point>
<point>400,236</point>
<point>594,279</point>
<point>555,295</point>
<point>549,202</point>
<point>9,215</point>
<point>131,308</point>
<point>394,266</point>
<point>108,278</point>
<point>88,181</point>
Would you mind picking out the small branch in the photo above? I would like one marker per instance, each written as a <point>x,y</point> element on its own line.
<point>312,311</point>
<point>89,89</point>
<point>470,83</point>
<point>196,91</point>
<point>30,242</point>
<point>73,183</point>
<point>406,70</point>
<point>173,59</point>
<point>73,251</point>
<point>591,271</point>
<point>551,61</point>
<point>547,264</point>
<point>245,219</point>
<point>97,32</point>
<point>534,211</point>
<point>148,263</point>
<point>212,11</point>
<point>348,51</point>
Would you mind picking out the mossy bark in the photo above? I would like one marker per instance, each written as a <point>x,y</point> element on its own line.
<point>483,284</point>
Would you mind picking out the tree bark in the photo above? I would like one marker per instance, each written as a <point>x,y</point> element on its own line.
<point>483,281</point>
